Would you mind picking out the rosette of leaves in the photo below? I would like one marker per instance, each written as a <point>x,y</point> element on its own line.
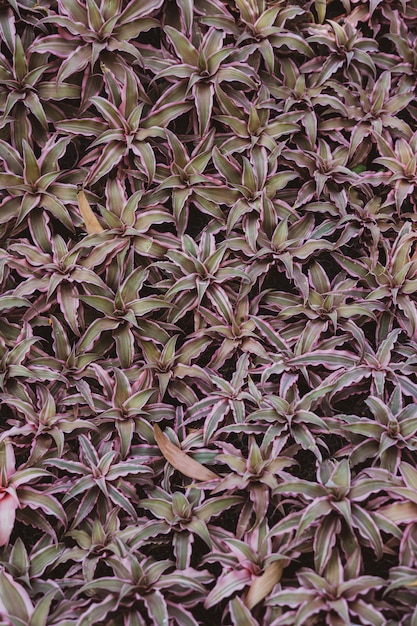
<point>329,172</point>
<point>55,274</point>
<point>282,417</point>
<point>255,475</point>
<point>142,589</point>
<point>388,438</point>
<point>122,133</point>
<point>32,183</point>
<point>223,401</point>
<point>347,49</point>
<point>96,31</point>
<point>121,311</point>
<point>14,356</point>
<point>375,109</point>
<point>286,240</point>
<point>257,182</point>
<point>335,301</point>
<point>16,494</point>
<point>246,562</point>
<point>188,186</point>
<point>169,365</point>
<point>336,596</point>
<point>391,280</point>
<point>255,124</point>
<point>17,607</point>
<point>401,162</point>
<point>181,518</point>
<point>231,325</point>
<point>267,26</point>
<point>334,516</point>
<point>133,221</point>
<point>102,483</point>
<point>27,101</point>
<point>384,370</point>
<point>121,407</point>
<point>197,272</point>
<point>94,542</point>
<point>199,69</point>
<point>41,422</point>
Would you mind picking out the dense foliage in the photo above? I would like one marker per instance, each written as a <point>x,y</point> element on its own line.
<point>208,321</point>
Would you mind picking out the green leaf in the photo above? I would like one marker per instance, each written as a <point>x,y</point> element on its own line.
<point>12,302</point>
<point>183,48</point>
<point>132,29</point>
<point>42,558</point>
<point>146,305</point>
<point>240,614</point>
<point>97,612</point>
<point>164,115</point>
<point>19,556</point>
<point>76,62</point>
<point>14,598</point>
<point>100,303</point>
<point>41,612</point>
<point>38,500</point>
<point>19,60</point>
<point>227,585</point>
<point>109,158</point>
<point>181,615</point>
<point>203,94</point>
<point>85,127</point>
<point>94,331</point>
<point>10,180</point>
<point>157,607</point>
<point>125,429</point>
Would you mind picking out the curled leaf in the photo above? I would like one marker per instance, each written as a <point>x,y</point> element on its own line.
<point>263,584</point>
<point>180,460</point>
<point>92,225</point>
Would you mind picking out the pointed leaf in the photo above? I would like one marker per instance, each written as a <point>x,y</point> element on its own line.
<point>263,585</point>
<point>92,224</point>
<point>180,460</point>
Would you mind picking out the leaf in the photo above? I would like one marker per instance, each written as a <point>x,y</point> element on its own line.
<point>240,614</point>
<point>263,585</point>
<point>181,615</point>
<point>180,460</point>
<point>31,170</point>
<point>41,612</point>
<point>92,225</point>
<point>157,608</point>
<point>37,500</point>
<point>11,302</point>
<point>183,48</point>
<point>14,599</point>
<point>44,557</point>
<point>226,585</point>
<point>96,612</point>
<point>400,512</point>
<point>109,158</point>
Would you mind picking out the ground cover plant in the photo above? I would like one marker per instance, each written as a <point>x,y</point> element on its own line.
<point>208,322</point>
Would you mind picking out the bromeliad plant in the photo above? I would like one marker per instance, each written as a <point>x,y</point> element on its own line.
<point>16,494</point>
<point>333,515</point>
<point>89,32</point>
<point>30,183</point>
<point>208,323</point>
<point>182,518</point>
<point>335,597</point>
